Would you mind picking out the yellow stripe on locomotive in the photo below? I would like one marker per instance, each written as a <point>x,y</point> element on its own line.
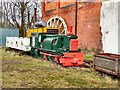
<point>48,30</point>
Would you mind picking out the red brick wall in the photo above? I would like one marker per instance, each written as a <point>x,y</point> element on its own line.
<point>88,22</point>
<point>62,4</point>
<point>50,6</point>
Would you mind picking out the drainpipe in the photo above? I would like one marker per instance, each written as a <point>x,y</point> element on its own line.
<point>76,19</point>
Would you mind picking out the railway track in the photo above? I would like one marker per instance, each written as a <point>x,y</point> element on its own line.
<point>88,63</point>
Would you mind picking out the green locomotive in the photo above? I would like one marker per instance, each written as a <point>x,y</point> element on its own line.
<point>61,49</point>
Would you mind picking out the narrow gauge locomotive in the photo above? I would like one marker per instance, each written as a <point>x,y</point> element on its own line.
<point>48,43</point>
<point>57,48</point>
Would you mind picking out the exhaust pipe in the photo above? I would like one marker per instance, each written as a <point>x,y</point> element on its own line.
<point>70,31</point>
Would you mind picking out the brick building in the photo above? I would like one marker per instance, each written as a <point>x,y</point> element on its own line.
<point>88,19</point>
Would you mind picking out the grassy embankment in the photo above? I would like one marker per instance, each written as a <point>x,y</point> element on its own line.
<point>26,72</point>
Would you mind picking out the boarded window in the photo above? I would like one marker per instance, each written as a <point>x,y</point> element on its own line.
<point>48,1</point>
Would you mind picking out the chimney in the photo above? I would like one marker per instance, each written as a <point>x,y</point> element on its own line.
<point>70,31</point>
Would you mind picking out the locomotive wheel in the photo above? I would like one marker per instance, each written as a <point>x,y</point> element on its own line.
<point>36,52</point>
<point>58,22</point>
<point>48,58</point>
<point>32,52</point>
<point>52,59</point>
<point>21,53</point>
<point>42,57</point>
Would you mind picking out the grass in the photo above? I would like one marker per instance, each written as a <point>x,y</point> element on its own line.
<point>88,57</point>
<point>26,72</point>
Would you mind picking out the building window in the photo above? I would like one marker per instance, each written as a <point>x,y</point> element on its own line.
<point>48,1</point>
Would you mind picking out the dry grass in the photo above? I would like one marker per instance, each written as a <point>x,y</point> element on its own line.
<point>26,72</point>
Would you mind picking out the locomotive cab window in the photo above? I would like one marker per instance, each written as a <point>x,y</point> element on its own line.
<point>55,41</point>
<point>40,38</point>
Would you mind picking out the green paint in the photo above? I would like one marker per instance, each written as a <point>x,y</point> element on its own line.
<point>51,43</point>
<point>47,43</point>
<point>66,43</point>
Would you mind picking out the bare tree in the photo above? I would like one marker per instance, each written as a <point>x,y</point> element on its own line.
<point>20,14</point>
<point>1,14</point>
